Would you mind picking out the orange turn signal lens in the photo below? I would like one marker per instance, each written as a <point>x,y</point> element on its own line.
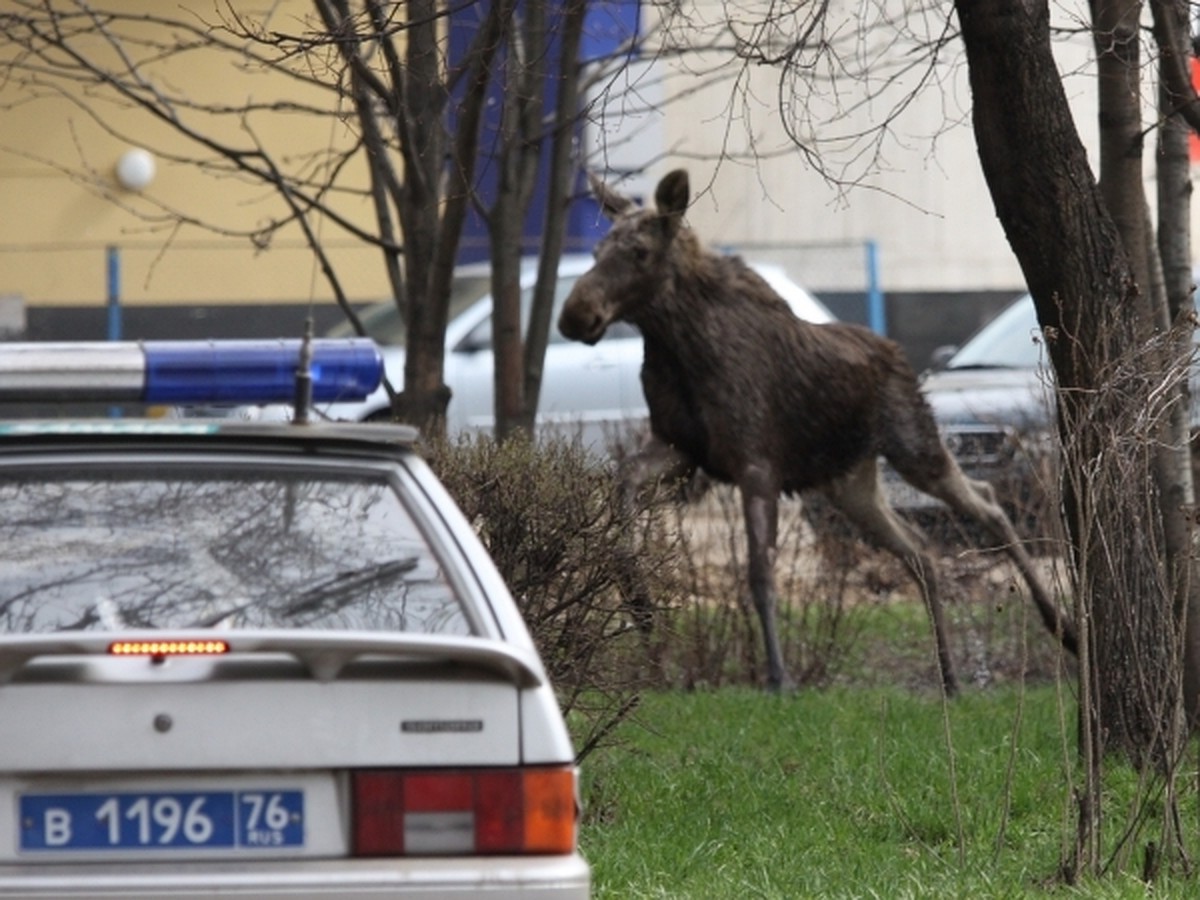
<point>167,648</point>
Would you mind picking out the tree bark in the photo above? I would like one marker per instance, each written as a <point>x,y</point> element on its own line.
<point>423,401</point>
<point>1137,663</point>
<point>436,196</point>
<point>1115,34</point>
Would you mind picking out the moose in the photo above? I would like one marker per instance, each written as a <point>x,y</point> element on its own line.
<point>745,392</point>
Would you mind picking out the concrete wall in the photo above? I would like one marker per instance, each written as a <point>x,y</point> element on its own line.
<point>918,192</point>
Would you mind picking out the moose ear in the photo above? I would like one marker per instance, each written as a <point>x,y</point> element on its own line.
<point>672,193</point>
<point>612,204</point>
<point>671,197</point>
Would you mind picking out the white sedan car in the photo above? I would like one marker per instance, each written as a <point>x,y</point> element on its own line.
<point>261,660</point>
<point>595,391</point>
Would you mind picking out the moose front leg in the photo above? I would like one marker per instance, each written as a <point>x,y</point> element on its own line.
<point>760,502</point>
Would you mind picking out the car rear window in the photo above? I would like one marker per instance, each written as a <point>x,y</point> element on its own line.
<point>164,547</point>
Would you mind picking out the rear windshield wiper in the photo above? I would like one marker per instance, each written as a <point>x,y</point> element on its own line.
<point>344,586</point>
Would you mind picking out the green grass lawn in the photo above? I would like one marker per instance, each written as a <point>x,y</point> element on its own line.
<point>846,792</point>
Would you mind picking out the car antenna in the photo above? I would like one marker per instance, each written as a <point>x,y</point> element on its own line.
<point>304,385</point>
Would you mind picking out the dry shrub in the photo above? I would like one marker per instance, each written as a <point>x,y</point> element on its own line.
<point>549,516</point>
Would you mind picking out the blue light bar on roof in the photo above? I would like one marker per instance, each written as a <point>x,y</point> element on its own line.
<point>169,372</point>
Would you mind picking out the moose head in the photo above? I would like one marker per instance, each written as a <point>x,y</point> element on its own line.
<point>632,260</point>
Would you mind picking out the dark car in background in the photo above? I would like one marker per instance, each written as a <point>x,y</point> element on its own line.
<point>994,404</point>
<point>993,399</point>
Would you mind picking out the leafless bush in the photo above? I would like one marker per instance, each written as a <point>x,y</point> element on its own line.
<point>549,516</point>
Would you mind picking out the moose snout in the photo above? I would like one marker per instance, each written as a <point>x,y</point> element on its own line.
<point>581,322</point>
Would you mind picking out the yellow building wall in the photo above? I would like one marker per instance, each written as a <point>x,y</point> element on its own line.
<point>61,206</point>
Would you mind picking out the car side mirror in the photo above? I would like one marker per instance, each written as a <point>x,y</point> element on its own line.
<point>477,339</point>
<point>941,356</point>
<point>471,345</point>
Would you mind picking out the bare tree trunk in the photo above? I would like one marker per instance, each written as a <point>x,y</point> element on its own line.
<point>1087,299</point>
<point>520,150</point>
<point>562,172</point>
<point>1067,245</point>
<point>1136,677</point>
<point>425,396</point>
<point>1115,32</point>
<point>1176,488</point>
<point>432,211</point>
<point>1095,321</point>
<point>521,347</point>
<point>1175,250</point>
<point>386,187</point>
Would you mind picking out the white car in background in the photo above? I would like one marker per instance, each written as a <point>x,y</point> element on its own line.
<point>593,391</point>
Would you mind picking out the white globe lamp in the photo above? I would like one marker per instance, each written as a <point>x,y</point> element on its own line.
<point>135,169</point>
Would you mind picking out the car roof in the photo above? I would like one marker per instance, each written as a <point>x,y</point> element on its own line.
<point>568,264</point>
<point>386,314</point>
<point>353,438</point>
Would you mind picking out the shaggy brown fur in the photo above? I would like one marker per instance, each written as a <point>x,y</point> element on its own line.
<point>740,388</point>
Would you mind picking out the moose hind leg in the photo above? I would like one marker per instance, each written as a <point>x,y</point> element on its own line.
<point>977,501</point>
<point>858,496</point>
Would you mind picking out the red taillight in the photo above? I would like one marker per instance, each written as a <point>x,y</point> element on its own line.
<point>464,811</point>
<point>378,813</point>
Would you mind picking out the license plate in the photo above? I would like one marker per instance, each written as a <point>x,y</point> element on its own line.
<point>165,820</point>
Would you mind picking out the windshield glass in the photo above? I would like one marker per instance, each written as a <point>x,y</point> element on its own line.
<point>1012,340</point>
<point>385,325</point>
<point>165,547</point>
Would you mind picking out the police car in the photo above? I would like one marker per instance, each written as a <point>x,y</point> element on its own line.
<point>258,659</point>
